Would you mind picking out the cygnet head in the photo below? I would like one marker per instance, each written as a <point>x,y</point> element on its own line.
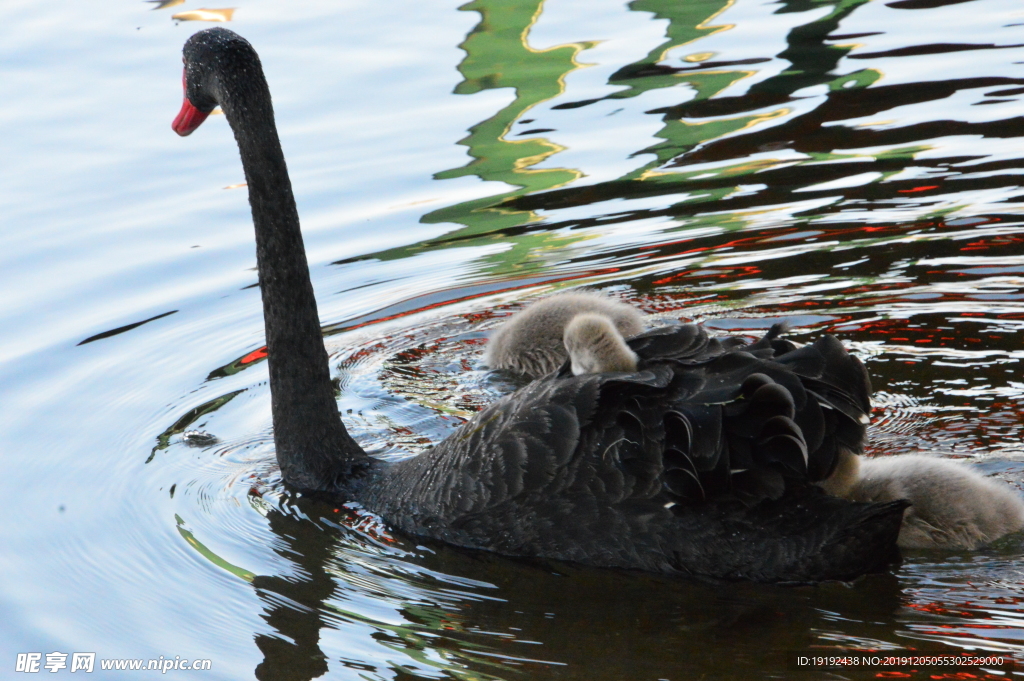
<point>596,346</point>
<point>531,341</point>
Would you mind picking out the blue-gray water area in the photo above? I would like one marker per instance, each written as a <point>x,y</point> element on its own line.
<point>852,167</point>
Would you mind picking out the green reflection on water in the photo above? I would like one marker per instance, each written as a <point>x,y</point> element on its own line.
<point>209,555</point>
<point>688,21</point>
<point>163,440</point>
<point>420,639</point>
<point>498,55</point>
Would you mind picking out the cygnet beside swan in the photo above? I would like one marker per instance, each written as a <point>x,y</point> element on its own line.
<point>531,341</point>
<point>952,506</point>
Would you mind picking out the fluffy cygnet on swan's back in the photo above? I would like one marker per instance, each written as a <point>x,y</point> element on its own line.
<point>596,346</point>
<point>531,341</point>
<point>952,506</point>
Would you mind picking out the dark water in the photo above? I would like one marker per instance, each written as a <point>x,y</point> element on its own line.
<point>851,167</point>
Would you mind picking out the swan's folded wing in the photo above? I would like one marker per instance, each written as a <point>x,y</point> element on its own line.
<point>841,388</point>
<point>842,376</point>
<point>733,425</point>
<point>669,341</point>
<point>830,390</point>
<point>665,434</point>
<point>520,446</point>
<point>690,344</point>
<point>642,470</point>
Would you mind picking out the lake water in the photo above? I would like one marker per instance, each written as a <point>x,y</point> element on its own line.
<point>853,167</point>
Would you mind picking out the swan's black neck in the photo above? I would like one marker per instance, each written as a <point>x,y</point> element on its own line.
<point>313,448</point>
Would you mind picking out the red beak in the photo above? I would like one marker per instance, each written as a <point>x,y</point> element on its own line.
<point>189,118</point>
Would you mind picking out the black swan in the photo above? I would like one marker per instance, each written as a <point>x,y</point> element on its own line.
<point>530,342</point>
<point>699,463</point>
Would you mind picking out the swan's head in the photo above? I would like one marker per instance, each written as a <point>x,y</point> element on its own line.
<point>209,56</point>
<point>596,346</point>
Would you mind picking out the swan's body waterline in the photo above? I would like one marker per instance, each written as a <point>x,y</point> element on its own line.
<point>695,464</point>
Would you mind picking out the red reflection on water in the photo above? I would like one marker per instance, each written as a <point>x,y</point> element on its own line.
<point>937,609</point>
<point>723,273</point>
<point>254,356</point>
<point>364,522</point>
<point>370,351</point>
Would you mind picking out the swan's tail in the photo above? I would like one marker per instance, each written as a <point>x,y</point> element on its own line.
<point>863,542</point>
<point>803,537</point>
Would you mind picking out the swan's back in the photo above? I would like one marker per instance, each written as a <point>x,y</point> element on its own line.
<point>530,342</point>
<point>698,463</point>
<point>952,506</point>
